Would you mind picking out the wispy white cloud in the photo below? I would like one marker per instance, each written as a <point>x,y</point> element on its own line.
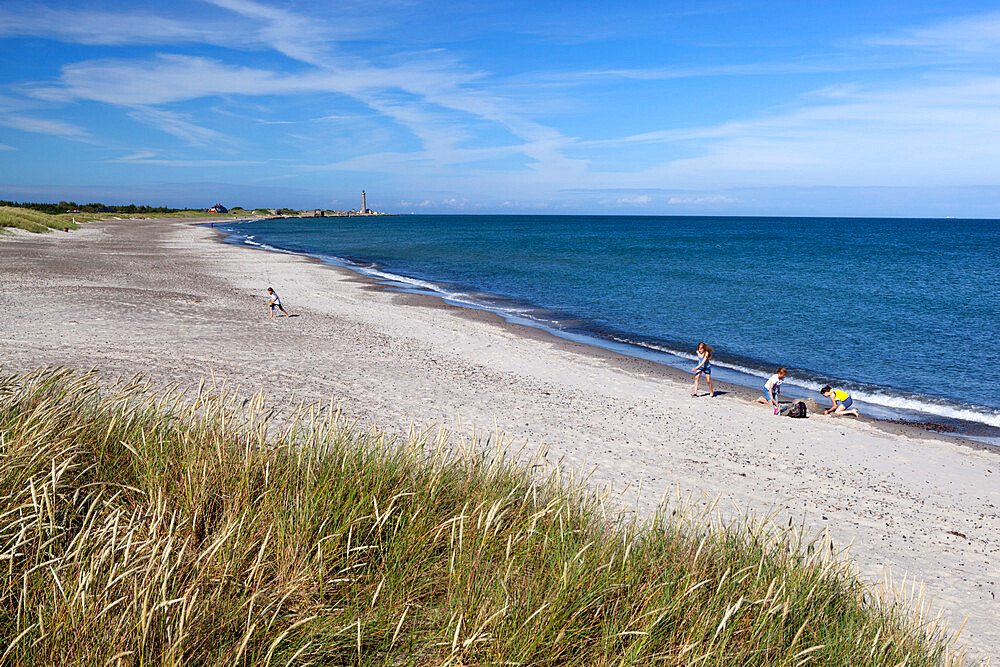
<point>434,91</point>
<point>255,26</point>
<point>170,78</point>
<point>688,200</point>
<point>972,35</point>
<point>943,131</point>
<point>163,80</point>
<point>5,147</point>
<point>23,115</point>
<point>153,158</point>
<point>299,37</point>
<point>94,27</point>
<point>178,125</point>
<point>55,128</point>
<point>638,200</point>
<point>826,63</point>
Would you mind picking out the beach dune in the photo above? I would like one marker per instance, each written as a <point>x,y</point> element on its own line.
<point>165,299</point>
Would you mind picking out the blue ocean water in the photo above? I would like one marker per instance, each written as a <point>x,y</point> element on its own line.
<point>904,313</point>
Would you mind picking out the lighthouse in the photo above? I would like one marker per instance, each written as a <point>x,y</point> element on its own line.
<point>364,204</point>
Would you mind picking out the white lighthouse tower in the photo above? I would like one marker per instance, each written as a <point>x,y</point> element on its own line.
<point>364,204</point>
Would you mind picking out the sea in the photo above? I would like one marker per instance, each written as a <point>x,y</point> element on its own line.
<point>903,313</point>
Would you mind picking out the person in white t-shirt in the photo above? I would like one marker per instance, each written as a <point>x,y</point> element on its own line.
<point>772,388</point>
<point>276,302</point>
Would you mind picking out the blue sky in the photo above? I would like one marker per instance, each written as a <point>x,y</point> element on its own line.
<point>845,108</point>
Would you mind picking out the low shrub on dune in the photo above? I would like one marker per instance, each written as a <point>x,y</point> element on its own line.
<point>154,528</point>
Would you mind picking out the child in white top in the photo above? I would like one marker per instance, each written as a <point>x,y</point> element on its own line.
<point>275,302</point>
<point>772,388</point>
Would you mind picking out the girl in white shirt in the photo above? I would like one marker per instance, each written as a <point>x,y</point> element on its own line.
<point>276,302</point>
<point>772,388</point>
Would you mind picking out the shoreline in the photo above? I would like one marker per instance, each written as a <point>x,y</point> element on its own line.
<point>169,300</point>
<point>976,435</point>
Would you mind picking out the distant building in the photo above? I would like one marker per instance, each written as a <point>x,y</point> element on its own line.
<point>316,213</point>
<point>364,204</point>
<point>218,208</point>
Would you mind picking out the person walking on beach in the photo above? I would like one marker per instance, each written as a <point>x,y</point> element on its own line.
<point>841,401</point>
<point>772,388</point>
<point>276,302</point>
<point>704,367</point>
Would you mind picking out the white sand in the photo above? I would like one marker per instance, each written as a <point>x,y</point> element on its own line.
<point>167,300</point>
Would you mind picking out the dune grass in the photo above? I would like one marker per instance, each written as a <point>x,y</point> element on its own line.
<point>155,528</point>
<point>37,221</point>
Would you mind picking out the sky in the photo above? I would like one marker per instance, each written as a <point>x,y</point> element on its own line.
<point>654,108</point>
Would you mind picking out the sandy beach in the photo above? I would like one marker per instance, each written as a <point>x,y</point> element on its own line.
<point>165,298</point>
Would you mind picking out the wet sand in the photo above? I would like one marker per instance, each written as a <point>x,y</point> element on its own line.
<point>164,298</point>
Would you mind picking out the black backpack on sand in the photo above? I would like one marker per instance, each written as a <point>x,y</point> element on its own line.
<point>798,410</point>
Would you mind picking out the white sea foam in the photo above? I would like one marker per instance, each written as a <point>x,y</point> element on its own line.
<point>248,240</point>
<point>882,399</point>
<point>413,282</point>
<point>925,405</point>
<point>440,291</point>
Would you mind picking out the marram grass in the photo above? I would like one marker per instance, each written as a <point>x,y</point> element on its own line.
<point>37,221</point>
<point>163,529</point>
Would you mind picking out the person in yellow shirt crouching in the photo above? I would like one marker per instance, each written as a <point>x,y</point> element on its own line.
<point>841,401</point>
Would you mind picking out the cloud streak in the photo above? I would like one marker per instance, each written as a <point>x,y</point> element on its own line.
<point>152,158</point>
<point>103,28</point>
<point>905,135</point>
<point>55,128</point>
<point>178,125</point>
<point>975,35</point>
<point>255,26</point>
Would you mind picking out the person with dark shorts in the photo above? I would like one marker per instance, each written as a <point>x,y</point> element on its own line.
<point>704,367</point>
<point>275,302</point>
<point>841,401</point>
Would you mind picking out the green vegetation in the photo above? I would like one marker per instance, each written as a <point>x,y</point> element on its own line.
<point>36,221</point>
<point>160,529</point>
<point>40,217</point>
<point>66,206</point>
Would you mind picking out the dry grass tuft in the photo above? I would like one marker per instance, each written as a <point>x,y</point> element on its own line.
<point>36,221</point>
